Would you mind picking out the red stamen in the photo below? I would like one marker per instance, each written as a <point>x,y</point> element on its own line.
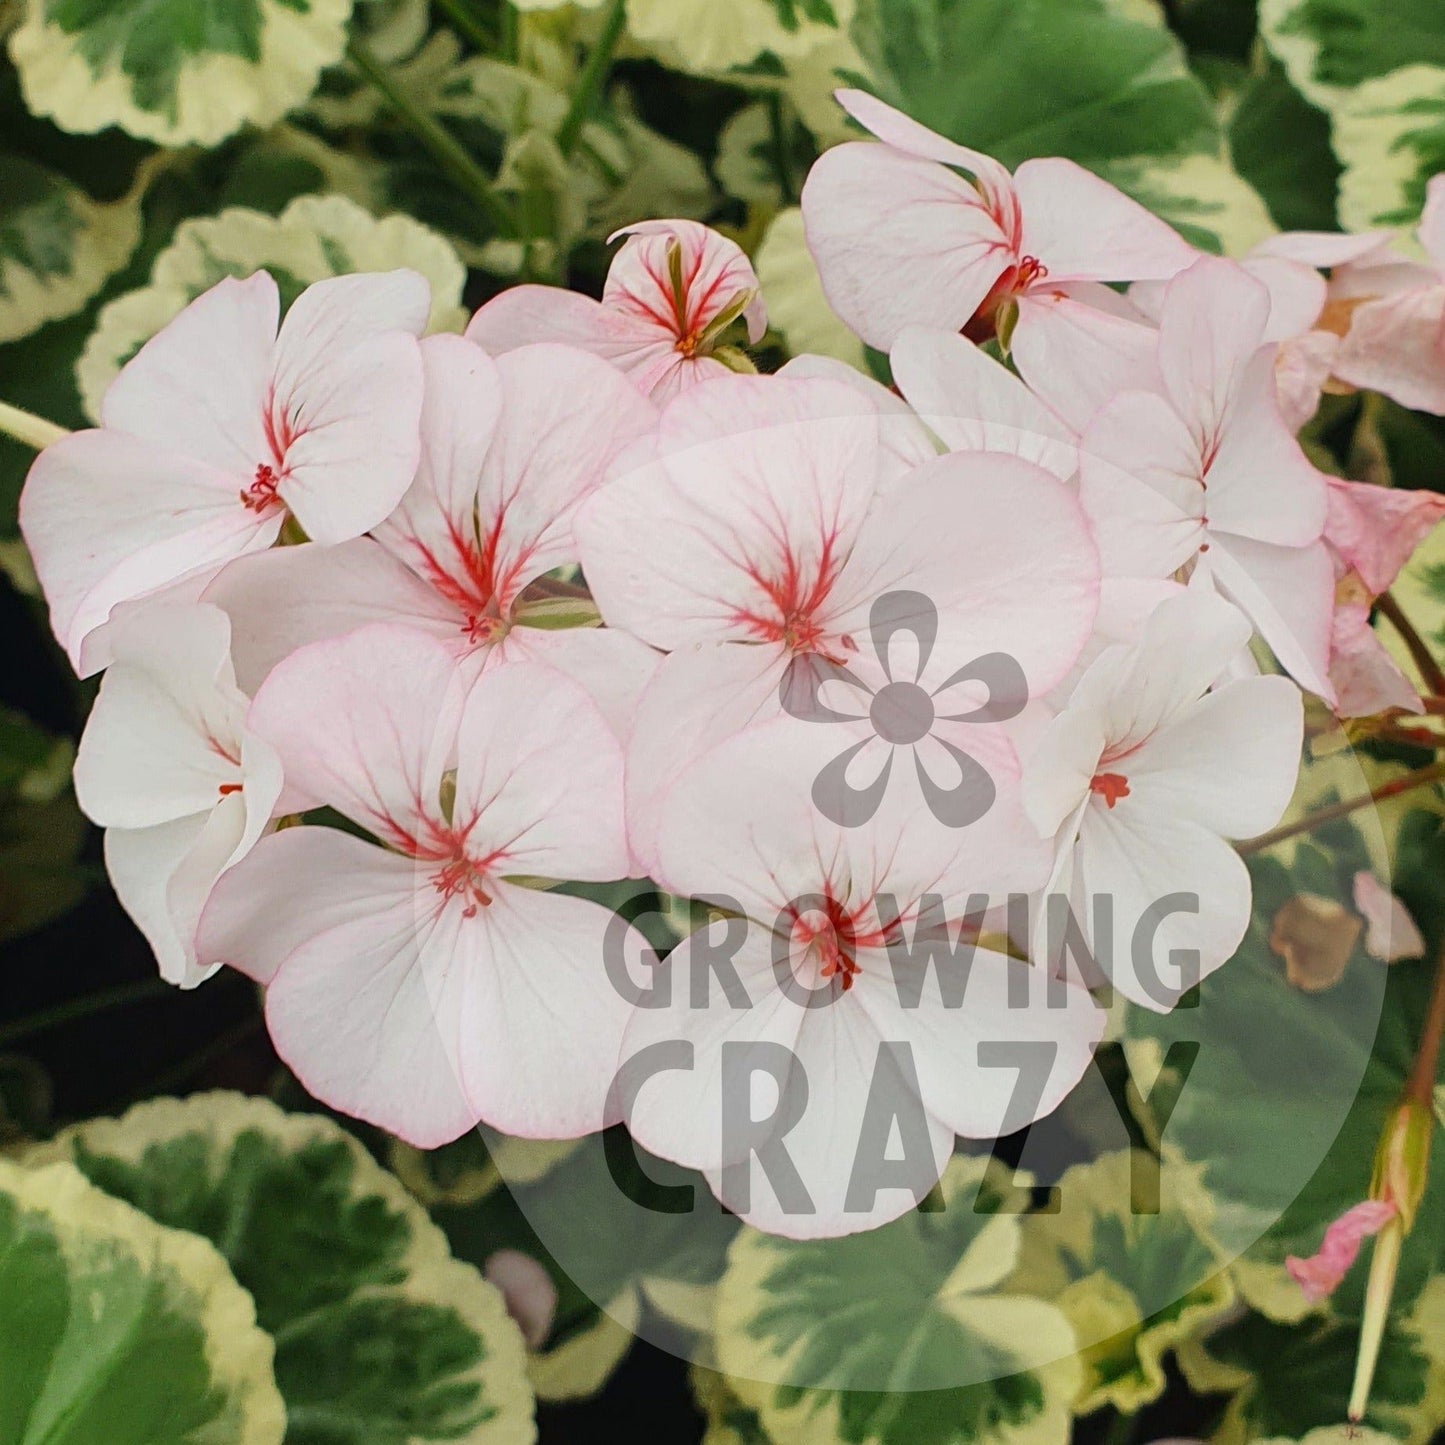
<point>1030,269</point>
<point>795,601</point>
<point>983,324</point>
<point>834,939</point>
<point>463,876</point>
<point>261,496</point>
<point>1110,787</point>
<point>227,788</point>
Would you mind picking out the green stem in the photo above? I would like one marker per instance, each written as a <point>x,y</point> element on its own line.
<point>29,429</point>
<point>509,47</point>
<point>80,1008</point>
<point>1422,777</point>
<point>446,150</point>
<point>590,82</point>
<point>466,24</point>
<point>1419,650</point>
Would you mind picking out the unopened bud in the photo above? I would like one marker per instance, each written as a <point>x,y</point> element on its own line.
<point>1402,1159</point>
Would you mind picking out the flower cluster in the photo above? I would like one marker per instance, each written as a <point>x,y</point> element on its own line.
<point>406,640</point>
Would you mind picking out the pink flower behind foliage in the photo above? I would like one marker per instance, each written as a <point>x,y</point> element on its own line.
<point>1396,338</point>
<point>1390,932</point>
<point>1371,532</point>
<point>674,289</point>
<point>1320,1275</point>
<point>920,231</point>
<point>218,430</point>
<point>411,981</point>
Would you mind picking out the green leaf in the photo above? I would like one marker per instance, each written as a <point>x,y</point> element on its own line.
<point>797,307</point>
<point>601,1220</point>
<point>1021,78</point>
<point>174,71</point>
<point>314,237</point>
<point>113,1328</point>
<point>1291,1380</point>
<point>1297,179</point>
<point>729,1421</point>
<point>1278,1120</point>
<point>381,1336</point>
<point>57,246</point>
<point>1390,135</point>
<point>901,1336</point>
<point>1331,46</point>
<point>706,38</point>
<point>1133,1279</point>
<point>1077,78</point>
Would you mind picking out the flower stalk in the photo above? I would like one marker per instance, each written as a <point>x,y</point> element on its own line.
<point>29,429</point>
<point>1399,1177</point>
<point>1420,778</point>
<point>1420,653</point>
<point>445,149</point>
<point>590,82</point>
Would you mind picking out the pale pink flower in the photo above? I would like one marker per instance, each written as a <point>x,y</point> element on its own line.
<point>509,449</point>
<point>973,403</point>
<point>755,534</point>
<point>1371,532</point>
<point>170,769</point>
<point>1390,933</point>
<point>902,238</point>
<point>1288,265</point>
<point>1194,474</point>
<point>843,973</point>
<point>1396,338</point>
<point>1321,1274</point>
<point>217,430</point>
<point>411,982</point>
<point>673,290</point>
<point>529,1292</point>
<point>1141,778</point>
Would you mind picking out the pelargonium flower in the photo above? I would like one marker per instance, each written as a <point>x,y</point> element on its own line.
<point>216,431</point>
<point>1390,933</point>
<point>755,535</point>
<point>973,403</point>
<point>901,238</point>
<point>1308,315</point>
<point>1192,472</point>
<point>1142,777</point>
<point>411,981</point>
<point>1323,1272</point>
<point>1396,338</point>
<point>672,292</point>
<point>509,450</point>
<point>839,976</point>
<point>170,769</point>
<point>1371,532</point>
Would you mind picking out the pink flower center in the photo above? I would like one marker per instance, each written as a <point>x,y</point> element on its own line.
<point>463,877</point>
<point>260,496</point>
<point>831,933</point>
<point>1110,787</point>
<point>790,616</point>
<point>983,324</point>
